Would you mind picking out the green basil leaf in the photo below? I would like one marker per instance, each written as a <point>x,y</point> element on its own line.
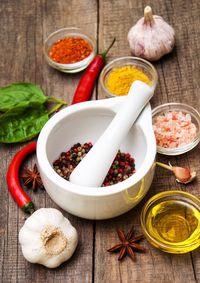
<point>21,94</point>
<point>22,124</point>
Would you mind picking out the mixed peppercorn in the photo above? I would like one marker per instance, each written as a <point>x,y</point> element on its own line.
<point>122,167</point>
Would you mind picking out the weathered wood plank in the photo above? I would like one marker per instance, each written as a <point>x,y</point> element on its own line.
<point>178,82</point>
<point>24,26</point>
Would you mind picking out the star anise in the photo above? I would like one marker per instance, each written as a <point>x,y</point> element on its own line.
<point>31,178</point>
<point>128,244</point>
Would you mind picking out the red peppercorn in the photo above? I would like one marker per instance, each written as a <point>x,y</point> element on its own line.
<point>122,167</point>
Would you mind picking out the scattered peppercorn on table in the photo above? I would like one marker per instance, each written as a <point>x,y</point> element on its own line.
<point>24,26</point>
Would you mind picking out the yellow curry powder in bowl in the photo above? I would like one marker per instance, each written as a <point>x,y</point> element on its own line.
<point>120,79</point>
<point>118,76</point>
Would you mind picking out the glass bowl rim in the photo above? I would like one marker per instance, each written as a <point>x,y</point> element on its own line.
<point>157,198</point>
<point>75,65</point>
<point>132,60</point>
<point>185,108</point>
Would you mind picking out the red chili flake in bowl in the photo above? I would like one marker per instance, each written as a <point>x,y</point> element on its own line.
<point>70,50</point>
<point>122,167</point>
<point>174,129</point>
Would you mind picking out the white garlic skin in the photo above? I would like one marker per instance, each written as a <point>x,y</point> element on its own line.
<point>33,247</point>
<point>151,37</point>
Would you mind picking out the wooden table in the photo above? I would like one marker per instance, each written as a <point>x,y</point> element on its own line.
<point>24,26</point>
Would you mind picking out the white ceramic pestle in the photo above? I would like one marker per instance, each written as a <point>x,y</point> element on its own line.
<point>92,170</point>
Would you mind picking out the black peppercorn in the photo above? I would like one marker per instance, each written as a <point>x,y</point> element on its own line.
<point>122,167</point>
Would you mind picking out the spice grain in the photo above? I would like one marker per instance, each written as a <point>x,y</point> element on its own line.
<point>120,79</point>
<point>174,129</point>
<point>70,50</point>
<point>122,167</point>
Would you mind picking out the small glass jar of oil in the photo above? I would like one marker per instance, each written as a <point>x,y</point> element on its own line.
<point>171,221</point>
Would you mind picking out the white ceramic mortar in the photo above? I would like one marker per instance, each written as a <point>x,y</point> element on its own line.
<point>85,122</point>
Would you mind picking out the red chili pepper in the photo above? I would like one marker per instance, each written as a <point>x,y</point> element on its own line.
<point>87,82</point>
<point>13,182</point>
<point>83,93</point>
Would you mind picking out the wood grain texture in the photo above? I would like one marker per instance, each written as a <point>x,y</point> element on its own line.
<point>24,26</point>
<point>178,82</point>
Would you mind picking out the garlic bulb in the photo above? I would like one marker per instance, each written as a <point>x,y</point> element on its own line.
<point>151,37</point>
<point>48,238</point>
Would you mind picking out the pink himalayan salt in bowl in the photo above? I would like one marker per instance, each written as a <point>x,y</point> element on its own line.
<point>176,128</point>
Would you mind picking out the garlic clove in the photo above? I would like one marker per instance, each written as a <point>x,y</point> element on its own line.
<point>187,180</point>
<point>151,37</point>
<point>183,175</point>
<point>48,238</point>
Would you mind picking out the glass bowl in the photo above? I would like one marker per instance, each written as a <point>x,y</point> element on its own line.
<point>195,118</point>
<point>171,221</point>
<point>63,33</point>
<point>136,62</point>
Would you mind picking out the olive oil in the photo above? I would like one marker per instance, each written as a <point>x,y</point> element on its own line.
<point>174,223</point>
